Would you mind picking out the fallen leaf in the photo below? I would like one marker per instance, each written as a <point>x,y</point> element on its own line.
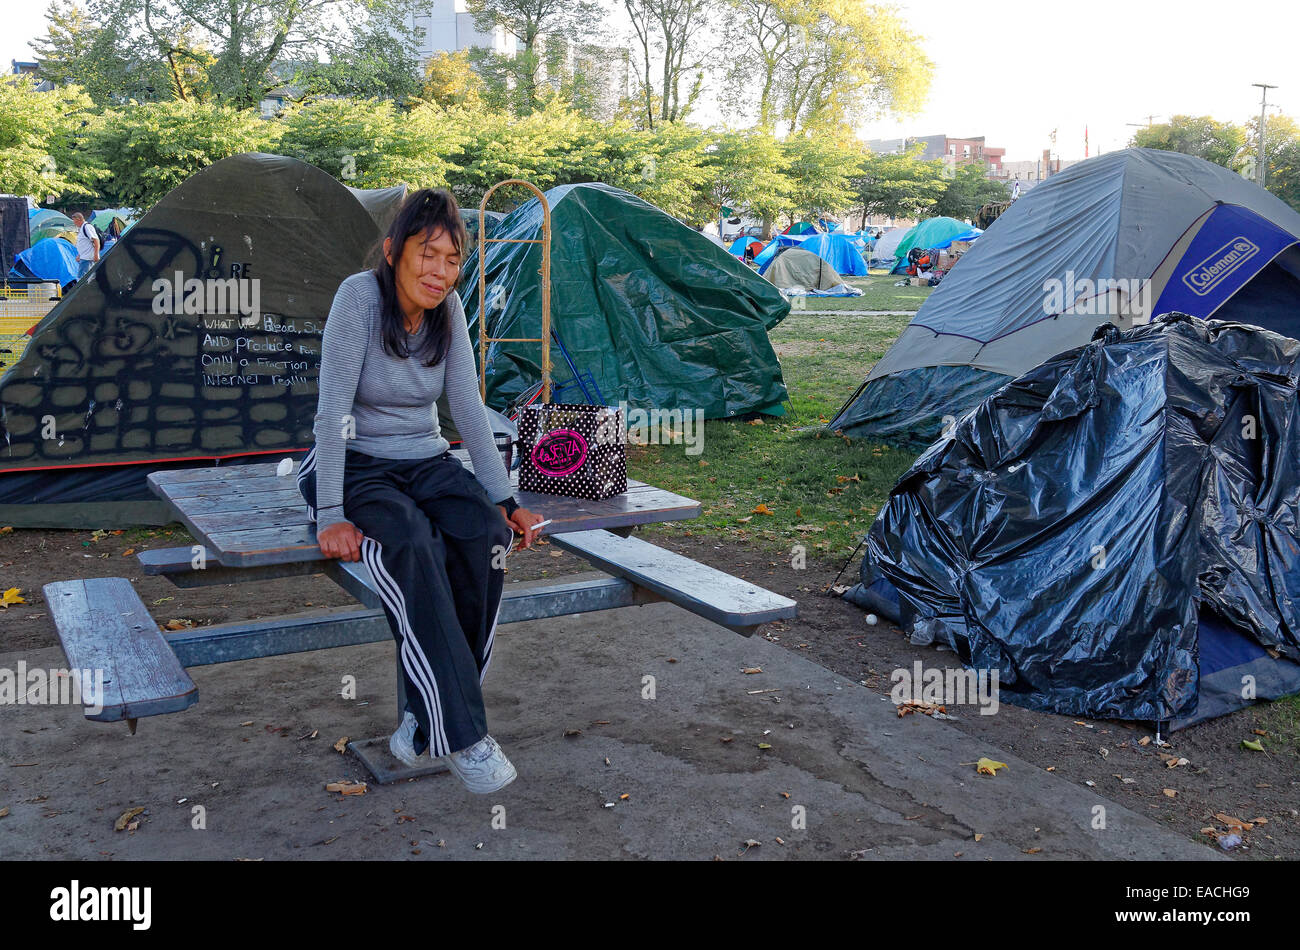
<point>1032,850</point>
<point>726,738</point>
<point>762,509</point>
<point>125,818</point>
<point>128,552</point>
<point>752,669</point>
<point>979,836</point>
<point>986,766</point>
<point>1255,745</point>
<point>572,732</point>
<point>847,478</point>
<point>1170,793</point>
<point>341,745</point>
<point>4,811</point>
<point>765,745</point>
<point>347,787</point>
<point>11,596</point>
<point>1145,740</point>
<point>1260,732</point>
<point>1233,823</point>
<point>624,797</point>
<point>7,529</point>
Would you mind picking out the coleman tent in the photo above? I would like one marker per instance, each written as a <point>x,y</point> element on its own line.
<point>196,341</point>
<point>1117,238</point>
<point>648,309</point>
<point>802,273</point>
<point>1112,532</point>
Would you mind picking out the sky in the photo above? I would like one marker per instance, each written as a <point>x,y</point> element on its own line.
<point>1013,73</point>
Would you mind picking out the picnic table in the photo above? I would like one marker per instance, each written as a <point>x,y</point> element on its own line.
<point>251,524</point>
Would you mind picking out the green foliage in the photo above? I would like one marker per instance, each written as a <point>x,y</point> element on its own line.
<point>968,190</point>
<point>1202,136</point>
<point>96,57</point>
<point>1281,156</point>
<point>450,80</point>
<point>824,64</point>
<point>41,137</point>
<point>749,170</point>
<point>369,144</point>
<point>149,149</point>
<point>819,169</point>
<point>372,66</point>
<point>898,186</point>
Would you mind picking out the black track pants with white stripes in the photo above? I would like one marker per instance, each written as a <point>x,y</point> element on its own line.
<point>435,545</point>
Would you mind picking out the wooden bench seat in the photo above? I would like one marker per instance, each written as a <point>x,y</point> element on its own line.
<point>104,625</point>
<point>728,601</point>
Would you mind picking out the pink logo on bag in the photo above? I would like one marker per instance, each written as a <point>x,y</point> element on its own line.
<point>559,453</point>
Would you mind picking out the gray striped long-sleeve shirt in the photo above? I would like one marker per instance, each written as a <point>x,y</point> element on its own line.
<point>384,405</point>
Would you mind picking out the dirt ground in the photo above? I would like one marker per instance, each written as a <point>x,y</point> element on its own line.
<point>1221,778</point>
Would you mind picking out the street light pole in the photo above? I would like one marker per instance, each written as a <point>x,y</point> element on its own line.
<point>1263,105</point>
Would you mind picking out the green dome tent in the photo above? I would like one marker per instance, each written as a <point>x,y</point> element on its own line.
<point>658,314</point>
<point>935,232</point>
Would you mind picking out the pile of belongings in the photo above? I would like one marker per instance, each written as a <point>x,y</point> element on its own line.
<point>1114,532</point>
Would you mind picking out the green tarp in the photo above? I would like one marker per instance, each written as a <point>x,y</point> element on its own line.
<point>658,314</point>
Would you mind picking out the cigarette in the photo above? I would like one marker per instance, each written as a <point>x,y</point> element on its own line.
<point>542,524</point>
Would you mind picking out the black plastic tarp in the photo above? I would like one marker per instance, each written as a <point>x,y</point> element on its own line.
<point>1072,527</point>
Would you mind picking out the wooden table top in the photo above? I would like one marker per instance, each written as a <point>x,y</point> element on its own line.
<point>247,516</point>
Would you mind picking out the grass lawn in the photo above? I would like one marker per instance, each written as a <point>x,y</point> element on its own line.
<point>879,294</point>
<point>823,490</point>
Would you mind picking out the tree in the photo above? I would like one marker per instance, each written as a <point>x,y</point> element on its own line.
<point>40,152</point>
<point>153,147</point>
<point>748,169</point>
<point>97,58</point>
<point>968,190</point>
<point>1202,136</point>
<point>543,29</point>
<point>824,63</point>
<point>252,42</point>
<point>369,144</point>
<point>379,63</point>
<point>450,80</point>
<point>1281,148</point>
<point>672,49</point>
<point>897,186</point>
<point>819,168</point>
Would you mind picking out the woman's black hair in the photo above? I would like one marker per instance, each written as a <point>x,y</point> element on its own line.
<point>426,212</point>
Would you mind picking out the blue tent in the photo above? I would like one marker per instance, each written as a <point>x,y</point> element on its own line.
<point>840,251</point>
<point>51,259</point>
<point>781,240</point>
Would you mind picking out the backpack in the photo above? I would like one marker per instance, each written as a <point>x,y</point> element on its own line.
<point>103,238</point>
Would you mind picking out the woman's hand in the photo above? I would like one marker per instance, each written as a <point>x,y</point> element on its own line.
<point>522,522</point>
<point>341,540</point>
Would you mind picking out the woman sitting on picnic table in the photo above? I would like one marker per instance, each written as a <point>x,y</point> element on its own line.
<point>384,489</point>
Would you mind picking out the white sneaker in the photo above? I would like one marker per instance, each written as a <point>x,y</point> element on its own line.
<point>483,767</point>
<point>402,745</point>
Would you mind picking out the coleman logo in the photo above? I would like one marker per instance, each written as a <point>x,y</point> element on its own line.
<point>1216,268</point>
